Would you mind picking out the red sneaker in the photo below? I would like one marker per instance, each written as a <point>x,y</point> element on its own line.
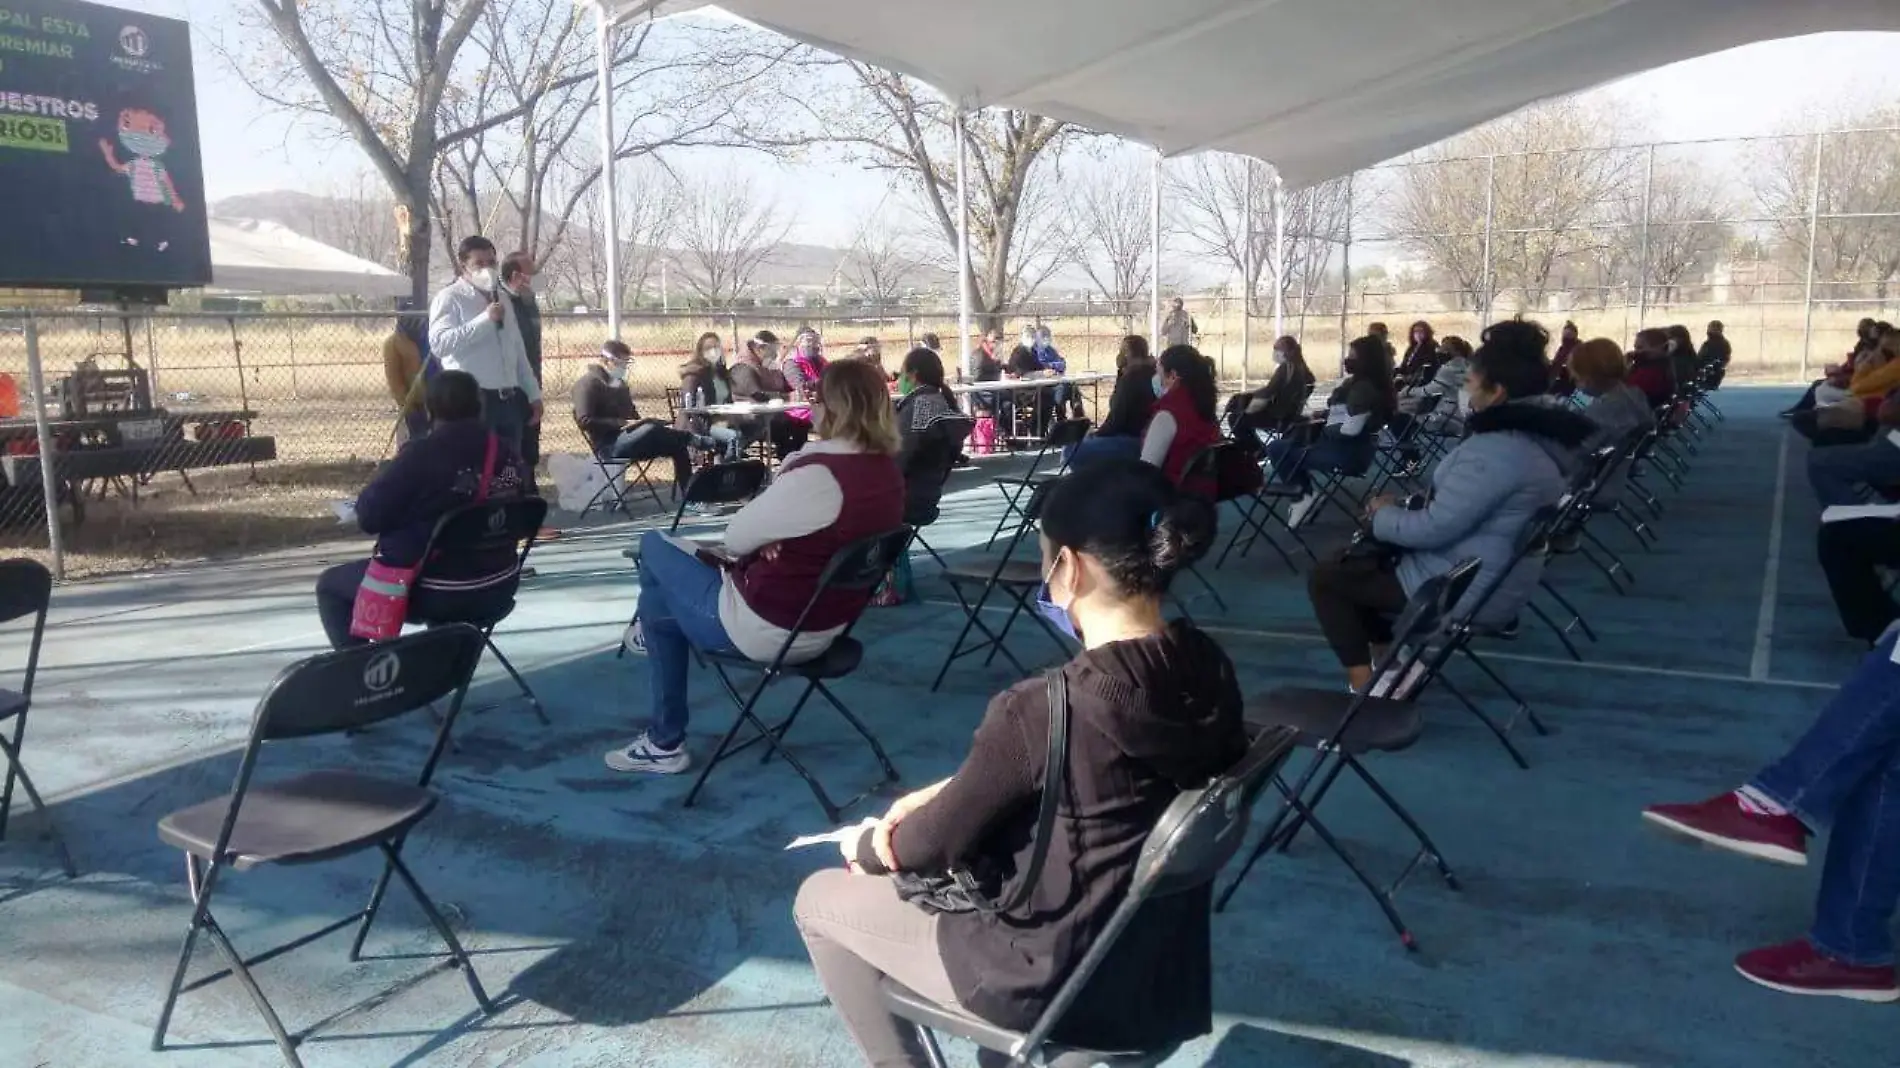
<point>1722,821</point>
<point>1798,968</point>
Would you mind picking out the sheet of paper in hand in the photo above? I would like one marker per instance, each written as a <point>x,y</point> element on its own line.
<point>848,833</point>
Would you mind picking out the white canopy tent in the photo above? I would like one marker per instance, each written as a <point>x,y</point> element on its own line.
<point>1317,88</point>
<point>255,256</point>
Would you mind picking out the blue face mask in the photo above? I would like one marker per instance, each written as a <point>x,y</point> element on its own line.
<point>1159,386</point>
<point>1057,615</point>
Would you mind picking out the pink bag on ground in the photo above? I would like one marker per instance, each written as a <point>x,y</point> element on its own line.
<point>382,601</point>
<point>983,435</point>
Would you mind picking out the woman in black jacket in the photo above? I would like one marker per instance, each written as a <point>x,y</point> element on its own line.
<point>930,432</point>
<point>1155,710</point>
<point>1282,400</point>
<point>1129,407</point>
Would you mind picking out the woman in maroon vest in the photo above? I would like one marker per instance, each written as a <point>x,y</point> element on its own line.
<point>841,488</point>
<point>1183,421</point>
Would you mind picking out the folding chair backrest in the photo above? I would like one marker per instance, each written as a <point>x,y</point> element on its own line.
<point>1428,608</point>
<point>930,467</point>
<point>367,684</point>
<point>856,568</point>
<point>1195,837</point>
<point>1427,404</point>
<point>673,402</point>
<point>1067,432</point>
<point>487,527</point>
<point>1204,466</point>
<point>727,483</point>
<point>593,449</point>
<point>26,589</point>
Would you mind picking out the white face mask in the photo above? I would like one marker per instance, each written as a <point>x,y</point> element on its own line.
<point>482,278</point>
<point>617,372</point>
<point>1160,384</point>
<point>1279,355</point>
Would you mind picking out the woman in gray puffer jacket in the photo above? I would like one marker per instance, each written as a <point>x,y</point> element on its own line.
<point>1519,457</point>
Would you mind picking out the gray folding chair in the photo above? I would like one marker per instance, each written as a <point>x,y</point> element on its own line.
<point>26,589</point>
<point>323,815</point>
<point>1197,835</point>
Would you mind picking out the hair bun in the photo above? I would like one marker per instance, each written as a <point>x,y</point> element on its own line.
<point>1180,533</point>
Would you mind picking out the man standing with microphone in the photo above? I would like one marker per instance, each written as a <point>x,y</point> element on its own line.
<point>472,327</point>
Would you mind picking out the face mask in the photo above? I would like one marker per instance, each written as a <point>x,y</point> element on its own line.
<point>1279,356</point>
<point>1159,385</point>
<point>905,387</point>
<point>717,357</point>
<point>1058,616</point>
<point>1029,341</point>
<point>617,372</point>
<point>482,278</point>
<point>1464,400</point>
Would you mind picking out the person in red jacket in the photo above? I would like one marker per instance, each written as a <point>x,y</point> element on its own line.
<point>1184,417</point>
<point>1650,368</point>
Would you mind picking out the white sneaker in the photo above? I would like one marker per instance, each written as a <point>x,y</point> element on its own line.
<point>1296,514</point>
<point>634,641</point>
<point>643,755</point>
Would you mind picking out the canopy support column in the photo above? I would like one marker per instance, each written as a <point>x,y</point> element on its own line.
<point>1249,275</point>
<point>1279,256</point>
<point>604,63</point>
<point>967,348</point>
<point>1814,232</point>
<point>1154,255</point>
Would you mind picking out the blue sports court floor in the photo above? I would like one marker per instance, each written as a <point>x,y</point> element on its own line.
<point>620,929</point>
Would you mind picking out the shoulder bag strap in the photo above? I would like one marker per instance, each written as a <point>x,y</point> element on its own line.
<point>488,469</point>
<point>1055,781</point>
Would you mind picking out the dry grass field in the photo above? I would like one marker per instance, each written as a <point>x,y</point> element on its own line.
<point>315,384</point>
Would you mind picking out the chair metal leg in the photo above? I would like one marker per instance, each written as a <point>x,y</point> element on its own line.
<point>533,701</point>
<point>370,910</point>
<point>1569,646</point>
<point>1503,737</point>
<point>932,1052</point>
<point>394,858</point>
<point>11,753</point>
<point>1523,709</point>
<point>202,920</point>
<point>6,794</point>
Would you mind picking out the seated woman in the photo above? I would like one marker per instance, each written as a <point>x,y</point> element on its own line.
<point>1617,410</point>
<point>1129,407</point>
<point>1156,710</point>
<point>1282,401</point>
<point>756,377</point>
<point>604,408</point>
<point>1516,460</point>
<point>840,489</point>
<point>704,380</point>
<point>931,431</point>
<point>1562,383</point>
<point>1355,413</point>
<point>1853,419</point>
<point>1183,422</point>
<point>1421,358</point>
<point>1652,372</point>
<point>456,463</point>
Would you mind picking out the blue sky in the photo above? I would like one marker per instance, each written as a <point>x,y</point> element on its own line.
<point>1752,90</point>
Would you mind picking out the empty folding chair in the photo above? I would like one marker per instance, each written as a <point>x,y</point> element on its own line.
<point>854,570</point>
<point>1341,727</point>
<point>1060,437</point>
<point>484,529</point>
<point>26,589</point>
<point>1198,833</point>
<point>1015,579</point>
<point>322,815</point>
<point>730,483</point>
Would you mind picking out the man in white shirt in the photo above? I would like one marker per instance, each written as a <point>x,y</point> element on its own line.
<point>471,328</point>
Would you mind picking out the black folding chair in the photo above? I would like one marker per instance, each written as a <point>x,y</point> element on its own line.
<point>484,529</point>
<point>1341,727</point>
<point>26,589</point>
<point>1204,469</point>
<point>928,474</point>
<point>730,483</point>
<point>1060,437</point>
<point>615,471</point>
<point>1196,836</point>
<point>1017,579</point>
<point>854,570</point>
<point>322,815</point>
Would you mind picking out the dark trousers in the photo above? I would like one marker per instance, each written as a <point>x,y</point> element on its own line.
<point>656,441</point>
<point>506,413</point>
<point>1850,553</point>
<point>1355,599</point>
<point>336,599</point>
<point>787,435</point>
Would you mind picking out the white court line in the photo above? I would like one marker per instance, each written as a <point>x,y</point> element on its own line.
<point>1495,654</point>
<point>1771,573</point>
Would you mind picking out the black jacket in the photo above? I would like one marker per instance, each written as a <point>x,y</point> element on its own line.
<point>1149,718</point>
<point>931,432</point>
<point>1283,398</point>
<point>1131,405</point>
<point>602,407</point>
<point>431,476</point>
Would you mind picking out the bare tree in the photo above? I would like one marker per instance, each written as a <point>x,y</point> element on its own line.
<point>649,207</point>
<point>882,264</point>
<point>1213,205</point>
<point>1860,179</point>
<point>1113,227</point>
<point>1685,206</point>
<point>726,232</point>
<point>1546,202</point>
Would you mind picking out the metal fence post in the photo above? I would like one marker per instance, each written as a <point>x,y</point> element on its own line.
<point>1490,216</point>
<point>1814,228</point>
<point>1248,280</point>
<point>49,460</point>
<point>1642,267</point>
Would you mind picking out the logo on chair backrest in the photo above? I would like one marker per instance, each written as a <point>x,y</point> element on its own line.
<point>497,520</point>
<point>382,670</point>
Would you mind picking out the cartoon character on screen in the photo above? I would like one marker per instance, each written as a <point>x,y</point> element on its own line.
<point>143,135</point>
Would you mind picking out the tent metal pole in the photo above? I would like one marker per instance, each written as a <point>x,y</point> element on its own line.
<point>1486,298</point>
<point>1154,254</point>
<point>967,347</point>
<point>1345,275</point>
<point>1814,229</point>
<point>1279,257</point>
<point>43,436</point>
<point>604,72</point>
<point>1642,266</point>
<point>1248,280</point>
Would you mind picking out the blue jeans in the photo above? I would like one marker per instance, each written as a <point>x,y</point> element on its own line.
<point>1096,447</point>
<point>1349,456</point>
<point>1845,772</point>
<point>679,612</point>
<point>1837,471</point>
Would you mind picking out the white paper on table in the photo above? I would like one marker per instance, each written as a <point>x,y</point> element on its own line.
<point>1841,513</point>
<point>839,837</point>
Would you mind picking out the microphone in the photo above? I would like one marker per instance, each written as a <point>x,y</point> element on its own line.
<point>494,297</point>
